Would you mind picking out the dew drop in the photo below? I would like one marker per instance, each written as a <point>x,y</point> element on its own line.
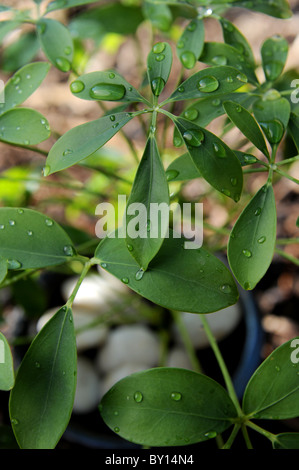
<point>104,265</point>
<point>139,274</point>
<point>125,280</point>
<point>29,233</point>
<point>14,421</point>
<point>68,250</point>
<point>21,211</point>
<point>68,50</point>
<point>37,365</point>
<point>226,192</point>
<point>250,159</point>
<point>233,181</point>
<point>193,137</point>
<point>130,247</point>
<point>176,396</point>
<point>277,368</point>
<point>26,142</point>
<point>12,223</point>
<point>112,117</point>
<point>208,84</point>
<point>67,152</point>
<point>181,44</point>
<point>258,211</point>
<point>181,89</point>
<point>111,75</point>
<point>271,95</point>
<point>49,222</point>
<point>262,240</point>
<point>13,264</point>
<point>159,47</point>
<point>247,286</point>
<point>216,102</point>
<point>226,288</point>
<point>229,79</point>
<point>116,429</point>
<point>191,114</point>
<point>242,78</point>
<point>273,130</point>
<point>188,59</point>
<point>63,64</point>
<point>219,150</point>
<point>15,79</point>
<point>247,253</point>
<point>192,26</point>
<point>115,125</point>
<point>211,434</point>
<point>171,174</point>
<point>160,57</point>
<point>177,141</point>
<point>77,86</point>
<point>219,60</point>
<point>157,85</point>
<point>2,227</point>
<point>107,91</point>
<point>138,397</point>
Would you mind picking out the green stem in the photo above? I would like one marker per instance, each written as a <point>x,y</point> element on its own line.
<point>246,437</point>
<point>287,241</point>
<point>18,277</point>
<point>287,256</point>
<point>286,175</point>
<point>288,160</point>
<point>28,147</point>
<point>254,170</point>
<point>186,340</point>
<point>221,363</point>
<point>264,432</point>
<point>83,274</point>
<point>232,437</point>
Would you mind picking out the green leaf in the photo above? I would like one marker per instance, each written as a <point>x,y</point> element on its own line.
<point>149,189</point>
<point>56,43</point>
<point>182,169</point>
<point>205,110</point>
<point>6,27</point>
<point>20,52</point>
<point>29,239</point>
<point>23,83</point>
<point>191,42</point>
<point>159,62</point>
<point>247,125</point>
<point>217,53</point>
<point>7,376</point>
<point>106,86</point>
<point>273,116</point>
<point>235,38</point>
<point>81,141</point>
<point>167,407</point>
<point>245,158</point>
<point>60,4</point>
<point>159,15</point>
<point>23,126</point>
<point>41,401</point>
<point>286,440</point>
<point>252,239</point>
<point>276,8</point>
<point>274,53</point>
<point>190,280</point>
<point>273,390</point>
<point>212,81</point>
<point>216,162</point>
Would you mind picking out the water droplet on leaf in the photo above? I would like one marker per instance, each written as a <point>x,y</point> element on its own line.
<point>219,150</point>
<point>107,91</point>
<point>157,85</point>
<point>176,396</point>
<point>68,250</point>
<point>262,240</point>
<point>13,264</point>
<point>188,59</point>
<point>247,253</point>
<point>125,280</point>
<point>208,84</point>
<point>171,174</point>
<point>219,60</point>
<point>193,137</point>
<point>159,47</point>
<point>138,397</point>
<point>63,64</point>
<point>49,222</point>
<point>191,114</point>
<point>226,288</point>
<point>77,86</point>
<point>139,274</point>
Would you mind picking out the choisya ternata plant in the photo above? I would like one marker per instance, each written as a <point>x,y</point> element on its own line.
<point>159,269</point>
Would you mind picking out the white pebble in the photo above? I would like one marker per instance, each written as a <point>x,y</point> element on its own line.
<point>88,391</point>
<point>221,323</point>
<point>87,338</point>
<point>119,373</point>
<point>178,357</point>
<point>135,344</point>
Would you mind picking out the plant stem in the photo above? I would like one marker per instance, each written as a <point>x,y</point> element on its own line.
<point>286,175</point>
<point>232,437</point>
<point>28,147</point>
<point>287,241</point>
<point>288,160</point>
<point>83,274</point>
<point>287,256</point>
<point>246,437</point>
<point>264,432</point>
<point>221,363</point>
<point>186,340</point>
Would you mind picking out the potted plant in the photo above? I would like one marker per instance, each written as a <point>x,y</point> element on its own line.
<point>155,245</point>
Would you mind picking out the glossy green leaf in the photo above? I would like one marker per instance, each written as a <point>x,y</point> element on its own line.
<point>273,390</point>
<point>106,86</point>
<point>29,239</point>
<point>6,27</point>
<point>276,8</point>
<point>235,38</point>
<point>56,43</point>
<point>7,376</point>
<point>41,401</point>
<point>205,110</point>
<point>245,158</point>
<point>216,162</point>
<point>273,116</point>
<point>149,189</point>
<point>159,15</point>
<point>274,53</point>
<point>190,44</point>
<point>23,126</point>
<point>247,125</point>
<point>217,53</point>
<point>286,440</point>
<point>178,278</point>
<point>293,128</point>
<point>182,169</point>
<point>181,406</point>
<point>159,62</point>
<point>252,239</point>
<point>23,83</point>
<point>81,141</point>
<point>212,81</point>
<point>20,52</point>
<point>60,4</point>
